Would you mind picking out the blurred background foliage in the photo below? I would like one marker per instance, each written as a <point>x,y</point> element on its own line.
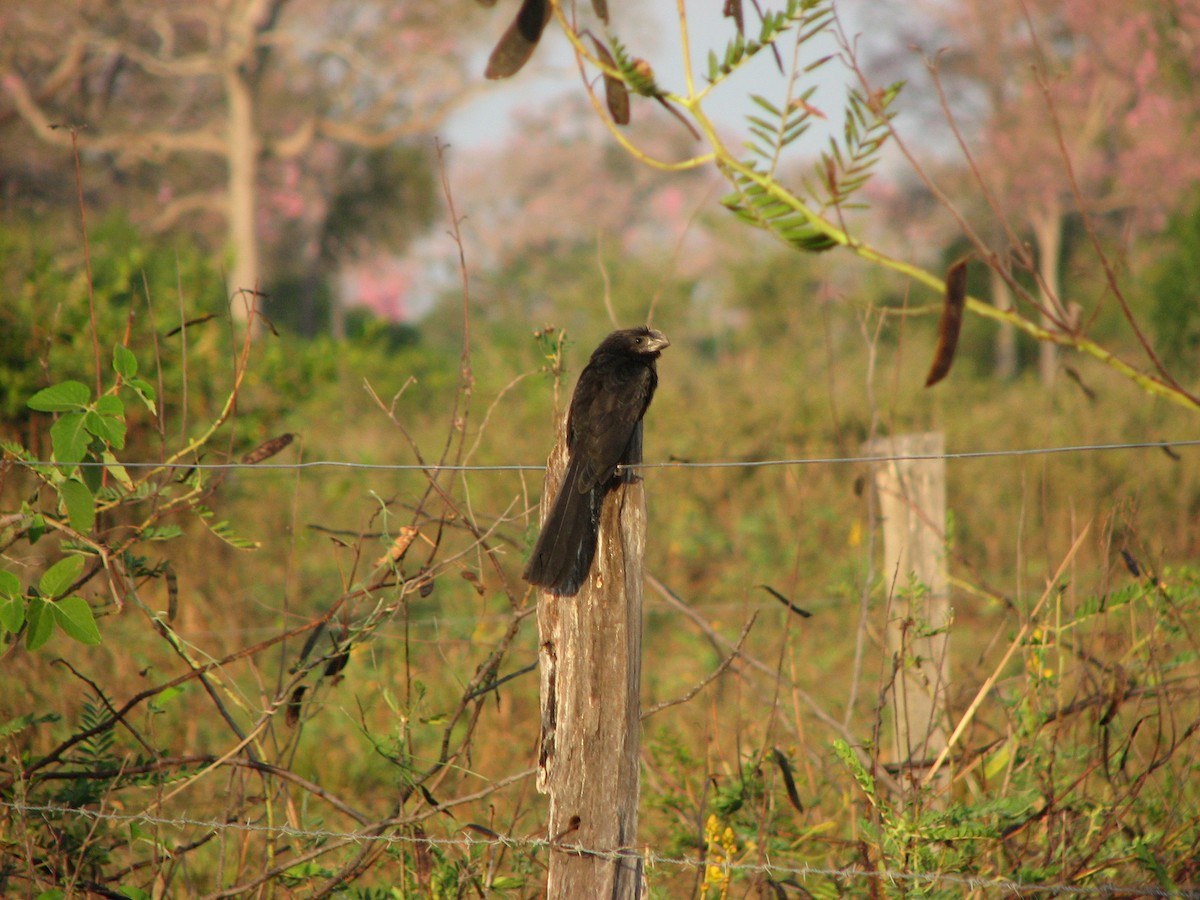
<point>775,356</point>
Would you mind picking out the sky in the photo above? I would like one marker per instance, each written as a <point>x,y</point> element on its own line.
<point>650,31</point>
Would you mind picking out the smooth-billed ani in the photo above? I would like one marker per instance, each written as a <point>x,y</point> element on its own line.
<point>604,431</point>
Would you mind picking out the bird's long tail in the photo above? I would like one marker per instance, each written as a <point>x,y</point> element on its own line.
<point>563,555</point>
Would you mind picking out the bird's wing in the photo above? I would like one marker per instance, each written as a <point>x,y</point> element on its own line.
<point>609,402</point>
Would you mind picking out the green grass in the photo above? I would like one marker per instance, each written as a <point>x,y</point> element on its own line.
<point>1076,768</point>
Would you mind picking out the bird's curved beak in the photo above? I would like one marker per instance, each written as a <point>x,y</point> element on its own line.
<point>657,341</point>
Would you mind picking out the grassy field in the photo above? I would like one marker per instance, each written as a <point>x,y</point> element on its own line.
<point>216,741</point>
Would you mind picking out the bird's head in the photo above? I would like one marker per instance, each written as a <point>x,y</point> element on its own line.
<point>641,340</point>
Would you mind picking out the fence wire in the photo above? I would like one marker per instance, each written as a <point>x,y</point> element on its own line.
<point>1166,446</point>
<point>651,858</point>
<point>467,841</point>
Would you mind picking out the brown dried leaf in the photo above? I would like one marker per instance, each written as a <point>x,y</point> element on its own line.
<point>801,103</point>
<point>421,856</point>
<point>294,705</point>
<point>615,93</point>
<point>802,613</point>
<point>789,782</point>
<point>950,324</point>
<point>190,322</point>
<point>519,40</point>
<point>831,176</point>
<point>267,449</point>
<point>335,664</point>
<point>733,10</point>
<point>172,591</point>
<point>1131,564</point>
<point>1078,379</point>
<point>400,545</point>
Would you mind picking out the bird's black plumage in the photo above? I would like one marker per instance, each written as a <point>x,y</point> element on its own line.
<point>604,431</point>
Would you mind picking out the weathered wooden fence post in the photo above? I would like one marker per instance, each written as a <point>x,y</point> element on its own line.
<point>912,506</point>
<point>591,668</point>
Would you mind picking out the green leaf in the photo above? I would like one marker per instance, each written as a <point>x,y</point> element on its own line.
<point>161,533</point>
<point>20,723</point>
<point>70,438</point>
<point>997,761</point>
<point>16,450</point>
<point>163,698</point>
<point>57,579</point>
<point>117,470</point>
<point>767,105</point>
<point>41,623</point>
<point>75,617</point>
<point>62,397</point>
<point>116,432</point>
<point>93,477</point>
<point>507,883</point>
<point>110,405</point>
<point>124,362</point>
<point>81,506</point>
<point>146,392</point>
<point>108,429</point>
<point>225,532</point>
<point>10,585</point>
<point>12,614</point>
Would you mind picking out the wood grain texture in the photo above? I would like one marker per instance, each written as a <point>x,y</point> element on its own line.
<point>590,657</point>
<point>911,491</point>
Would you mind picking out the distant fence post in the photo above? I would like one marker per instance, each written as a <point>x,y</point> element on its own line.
<point>590,657</point>
<point>912,506</point>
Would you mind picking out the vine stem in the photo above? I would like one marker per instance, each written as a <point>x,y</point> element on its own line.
<point>733,169</point>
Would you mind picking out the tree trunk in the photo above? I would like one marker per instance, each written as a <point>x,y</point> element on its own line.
<point>1047,232</point>
<point>590,657</point>
<point>1005,362</point>
<point>912,504</point>
<point>244,273</point>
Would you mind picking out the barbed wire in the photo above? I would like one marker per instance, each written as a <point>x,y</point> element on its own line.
<point>651,858</point>
<point>468,841</point>
<point>666,464</point>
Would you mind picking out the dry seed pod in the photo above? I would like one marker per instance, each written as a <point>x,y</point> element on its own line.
<point>267,449</point>
<point>950,324</point>
<point>615,94</point>
<point>519,40</point>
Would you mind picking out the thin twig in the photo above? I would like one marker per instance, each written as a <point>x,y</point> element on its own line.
<point>710,677</point>
<point>1016,642</point>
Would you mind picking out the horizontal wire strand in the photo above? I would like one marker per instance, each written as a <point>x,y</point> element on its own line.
<point>1024,888</point>
<point>1021,888</point>
<point>669,464</point>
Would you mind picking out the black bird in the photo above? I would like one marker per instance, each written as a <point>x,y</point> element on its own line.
<point>604,431</point>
